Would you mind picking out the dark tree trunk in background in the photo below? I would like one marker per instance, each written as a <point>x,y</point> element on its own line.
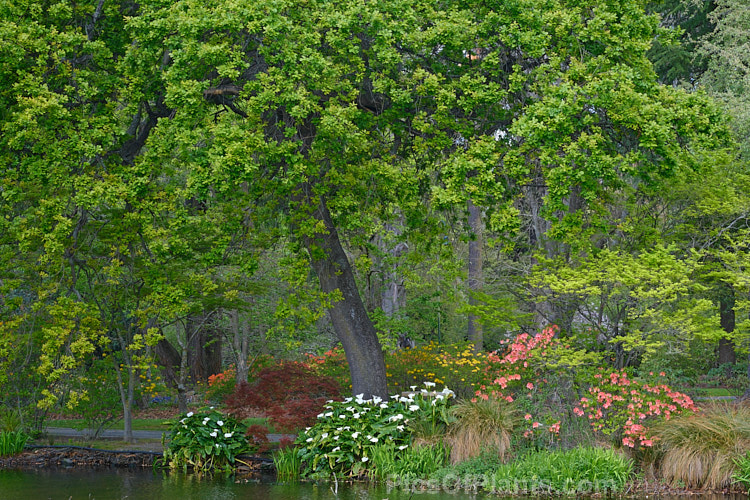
<point>348,315</point>
<point>385,284</point>
<point>169,359</point>
<point>475,333</point>
<point>240,344</point>
<point>393,296</point>
<point>204,348</point>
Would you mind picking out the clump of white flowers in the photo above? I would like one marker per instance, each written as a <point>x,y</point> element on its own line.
<point>346,431</point>
<point>205,439</point>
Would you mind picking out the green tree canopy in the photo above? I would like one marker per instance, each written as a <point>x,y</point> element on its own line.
<point>200,121</point>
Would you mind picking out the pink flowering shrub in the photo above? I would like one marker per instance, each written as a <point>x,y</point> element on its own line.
<point>561,393</point>
<point>538,373</point>
<point>623,407</point>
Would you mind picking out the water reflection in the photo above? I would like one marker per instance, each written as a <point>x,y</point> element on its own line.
<point>108,484</point>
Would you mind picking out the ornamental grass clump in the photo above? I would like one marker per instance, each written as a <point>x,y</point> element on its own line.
<point>205,440</point>
<point>701,450</point>
<point>481,426</point>
<point>342,440</point>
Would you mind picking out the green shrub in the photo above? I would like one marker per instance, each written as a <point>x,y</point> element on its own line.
<point>205,440</point>
<point>12,442</point>
<point>741,474</point>
<point>700,451</point>
<point>469,474</point>
<point>576,471</point>
<point>10,420</point>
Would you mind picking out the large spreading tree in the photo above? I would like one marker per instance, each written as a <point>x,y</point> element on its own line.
<point>330,118</point>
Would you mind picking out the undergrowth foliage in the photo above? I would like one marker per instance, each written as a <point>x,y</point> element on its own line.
<point>291,394</point>
<point>574,472</point>
<point>410,464</point>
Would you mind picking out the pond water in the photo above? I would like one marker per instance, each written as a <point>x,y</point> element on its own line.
<point>111,484</point>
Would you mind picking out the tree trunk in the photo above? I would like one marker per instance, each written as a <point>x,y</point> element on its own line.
<point>475,333</point>
<point>393,295</point>
<point>169,359</point>
<point>204,348</point>
<point>240,341</point>
<point>127,414</point>
<point>348,315</point>
<point>126,390</point>
<point>727,353</point>
<point>182,380</point>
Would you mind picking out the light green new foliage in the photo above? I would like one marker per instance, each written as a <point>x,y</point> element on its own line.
<point>67,246</point>
<point>633,303</point>
<point>369,111</point>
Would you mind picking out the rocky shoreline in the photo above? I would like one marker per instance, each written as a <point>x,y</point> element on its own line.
<point>35,457</point>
